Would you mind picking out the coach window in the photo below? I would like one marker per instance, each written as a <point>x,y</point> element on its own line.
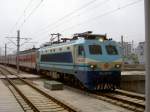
<point>95,49</point>
<point>111,50</point>
<point>81,51</point>
<point>68,48</point>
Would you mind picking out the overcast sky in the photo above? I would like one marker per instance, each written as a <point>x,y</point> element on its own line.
<point>37,19</point>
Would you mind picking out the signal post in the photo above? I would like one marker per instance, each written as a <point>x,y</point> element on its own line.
<point>147,49</point>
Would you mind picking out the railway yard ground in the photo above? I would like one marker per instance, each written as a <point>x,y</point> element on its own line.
<point>17,96</point>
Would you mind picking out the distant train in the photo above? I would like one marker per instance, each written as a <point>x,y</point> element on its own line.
<point>89,60</point>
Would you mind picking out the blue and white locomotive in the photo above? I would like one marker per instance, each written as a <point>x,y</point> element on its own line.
<point>92,60</point>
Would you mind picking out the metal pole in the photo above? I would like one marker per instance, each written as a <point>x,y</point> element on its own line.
<point>147,49</point>
<point>58,34</point>
<point>122,47</point>
<point>5,54</point>
<point>132,46</point>
<point>0,51</point>
<point>18,48</point>
<point>58,37</point>
<point>122,41</point>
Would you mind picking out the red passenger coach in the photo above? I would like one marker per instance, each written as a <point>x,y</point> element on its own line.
<point>2,59</point>
<point>11,60</point>
<point>27,59</point>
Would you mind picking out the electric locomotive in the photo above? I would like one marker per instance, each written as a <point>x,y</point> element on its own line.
<point>91,59</point>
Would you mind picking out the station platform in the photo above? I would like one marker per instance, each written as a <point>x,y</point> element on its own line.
<point>133,73</point>
<point>8,102</point>
<point>22,75</point>
<point>133,81</point>
<point>81,101</point>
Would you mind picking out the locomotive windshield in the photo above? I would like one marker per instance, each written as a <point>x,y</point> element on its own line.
<point>111,50</point>
<point>81,51</point>
<point>95,49</point>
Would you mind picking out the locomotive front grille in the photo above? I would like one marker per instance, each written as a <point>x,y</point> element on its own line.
<point>107,80</point>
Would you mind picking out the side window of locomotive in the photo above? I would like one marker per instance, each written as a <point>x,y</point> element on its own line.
<point>81,51</point>
<point>95,49</point>
<point>111,50</point>
<point>37,54</point>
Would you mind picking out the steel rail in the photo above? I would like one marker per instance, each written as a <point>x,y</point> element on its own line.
<point>22,95</point>
<point>112,98</point>
<point>70,109</point>
<point>130,94</point>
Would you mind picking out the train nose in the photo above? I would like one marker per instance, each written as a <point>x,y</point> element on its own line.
<point>106,66</point>
<point>110,66</point>
<point>102,66</point>
<point>117,65</point>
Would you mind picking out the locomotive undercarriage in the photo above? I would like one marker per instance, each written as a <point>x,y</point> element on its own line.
<point>107,83</point>
<point>67,79</point>
<point>101,83</point>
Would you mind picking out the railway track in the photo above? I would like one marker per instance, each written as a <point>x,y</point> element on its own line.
<point>33,99</point>
<point>125,100</point>
<point>128,100</point>
<point>121,98</point>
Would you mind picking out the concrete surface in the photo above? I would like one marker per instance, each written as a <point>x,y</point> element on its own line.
<point>133,81</point>
<point>22,75</point>
<point>53,85</point>
<point>7,101</point>
<point>82,102</point>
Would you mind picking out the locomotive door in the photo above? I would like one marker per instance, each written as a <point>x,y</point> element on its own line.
<point>75,49</point>
<point>37,60</point>
<point>79,56</point>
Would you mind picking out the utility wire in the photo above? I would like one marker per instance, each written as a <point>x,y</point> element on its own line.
<point>56,25</point>
<point>32,12</point>
<point>18,20</point>
<point>69,14</point>
<point>104,14</point>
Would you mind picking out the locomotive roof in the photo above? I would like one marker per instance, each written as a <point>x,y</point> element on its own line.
<point>73,42</point>
<point>70,43</point>
<point>78,38</point>
<point>29,50</point>
<point>90,36</point>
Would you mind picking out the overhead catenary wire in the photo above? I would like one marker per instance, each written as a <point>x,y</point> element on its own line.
<point>69,14</point>
<point>101,15</point>
<point>55,24</point>
<point>31,13</point>
<point>104,14</point>
<point>19,19</point>
<point>28,15</point>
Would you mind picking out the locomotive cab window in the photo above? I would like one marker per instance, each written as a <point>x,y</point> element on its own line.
<point>81,51</point>
<point>95,49</point>
<point>111,50</point>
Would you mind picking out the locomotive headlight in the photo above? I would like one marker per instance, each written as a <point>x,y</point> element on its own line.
<point>117,65</point>
<point>101,40</point>
<point>93,66</point>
